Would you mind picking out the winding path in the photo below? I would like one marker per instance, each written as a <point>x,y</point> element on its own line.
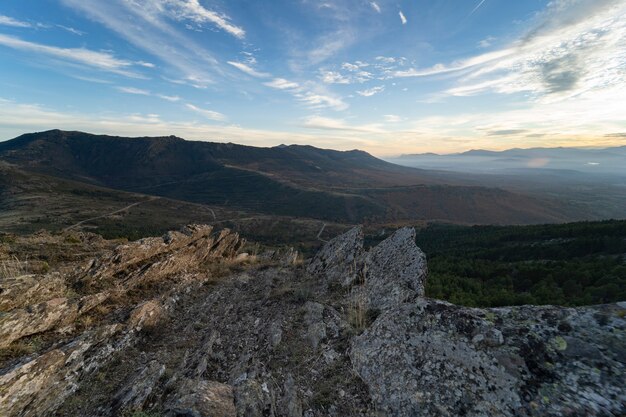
<point>109,214</point>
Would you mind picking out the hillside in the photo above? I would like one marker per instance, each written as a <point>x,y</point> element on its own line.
<point>30,202</point>
<point>299,181</point>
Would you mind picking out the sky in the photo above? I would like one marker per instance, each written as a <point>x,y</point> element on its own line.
<point>386,76</point>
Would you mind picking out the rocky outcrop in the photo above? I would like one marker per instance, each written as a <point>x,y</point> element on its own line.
<point>202,398</point>
<point>37,387</point>
<point>394,271</point>
<point>131,265</point>
<point>433,358</point>
<point>183,327</point>
<point>339,260</point>
<point>23,290</point>
<point>51,314</point>
<point>133,396</point>
<point>152,258</point>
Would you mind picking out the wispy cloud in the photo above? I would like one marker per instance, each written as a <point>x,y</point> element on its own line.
<point>402,17</point>
<point>133,90</point>
<point>477,7</point>
<point>192,10</point>
<point>248,69</point>
<point>329,45</point>
<point>487,42</point>
<point>282,84</point>
<point>327,123</point>
<point>143,92</point>
<point>72,30</point>
<point>317,100</point>
<point>350,73</point>
<point>371,91</point>
<point>456,66</point>
<point>506,132</point>
<point>145,64</point>
<point>104,61</point>
<point>375,6</point>
<point>333,77</point>
<point>169,98</point>
<point>151,26</point>
<point>9,21</point>
<point>209,114</point>
<point>309,93</point>
<point>392,118</point>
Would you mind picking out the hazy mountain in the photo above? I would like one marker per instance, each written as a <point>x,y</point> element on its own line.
<point>298,181</point>
<point>605,161</point>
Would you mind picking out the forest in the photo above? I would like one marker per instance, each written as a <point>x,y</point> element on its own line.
<point>489,266</point>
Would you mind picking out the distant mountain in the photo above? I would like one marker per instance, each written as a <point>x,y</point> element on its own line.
<point>558,151</point>
<point>592,160</point>
<point>294,180</point>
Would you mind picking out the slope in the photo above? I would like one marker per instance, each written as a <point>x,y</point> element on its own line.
<point>297,181</point>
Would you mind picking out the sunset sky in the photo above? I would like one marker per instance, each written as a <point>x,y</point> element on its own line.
<point>388,77</point>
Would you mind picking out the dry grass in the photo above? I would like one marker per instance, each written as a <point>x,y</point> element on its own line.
<point>12,268</point>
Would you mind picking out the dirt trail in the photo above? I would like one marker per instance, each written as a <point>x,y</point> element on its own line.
<point>109,214</point>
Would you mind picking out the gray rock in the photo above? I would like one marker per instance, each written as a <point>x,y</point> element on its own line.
<point>338,261</point>
<point>434,358</point>
<point>291,402</point>
<point>134,394</point>
<point>275,334</point>
<point>390,273</point>
<point>254,399</point>
<point>395,270</point>
<point>314,320</point>
<point>200,398</point>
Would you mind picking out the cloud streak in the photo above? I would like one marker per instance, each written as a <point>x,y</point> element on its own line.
<point>209,114</point>
<point>9,21</point>
<point>477,7</point>
<point>192,10</point>
<point>149,26</point>
<point>104,61</point>
<point>248,69</point>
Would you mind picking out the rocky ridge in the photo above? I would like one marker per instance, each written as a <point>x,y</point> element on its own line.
<point>188,325</point>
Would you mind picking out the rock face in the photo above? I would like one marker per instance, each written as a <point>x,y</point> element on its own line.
<point>184,326</point>
<point>394,271</point>
<point>36,386</point>
<point>339,260</point>
<point>390,273</point>
<point>433,358</point>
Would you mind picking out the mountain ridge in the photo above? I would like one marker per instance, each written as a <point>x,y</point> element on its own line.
<point>298,180</point>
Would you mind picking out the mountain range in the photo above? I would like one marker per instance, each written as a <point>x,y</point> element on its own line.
<point>299,181</point>
<point>596,161</point>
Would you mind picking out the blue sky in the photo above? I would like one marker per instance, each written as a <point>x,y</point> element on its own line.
<point>388,77</point>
